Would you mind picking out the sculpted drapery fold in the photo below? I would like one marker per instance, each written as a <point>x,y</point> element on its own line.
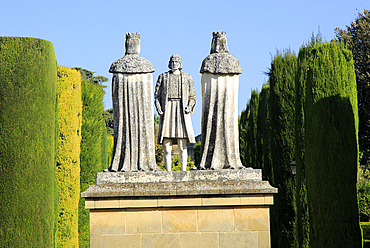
<point>133,110</point>
<point>220,85</point>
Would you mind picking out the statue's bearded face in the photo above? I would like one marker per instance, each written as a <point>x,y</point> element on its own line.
<point>175,63</point>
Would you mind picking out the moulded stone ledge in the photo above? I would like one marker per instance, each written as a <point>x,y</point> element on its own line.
<point>231,187</point>
<point>176,202</point>
<point>178,176</point>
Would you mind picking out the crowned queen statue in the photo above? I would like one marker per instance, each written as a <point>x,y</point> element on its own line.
<point>220,83</point>
<point>133,110</point>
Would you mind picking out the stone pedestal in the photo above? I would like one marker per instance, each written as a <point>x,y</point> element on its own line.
<point>226,208</point>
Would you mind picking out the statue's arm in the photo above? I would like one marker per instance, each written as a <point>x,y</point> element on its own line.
<point>192,96</point>
<point>157,95</point>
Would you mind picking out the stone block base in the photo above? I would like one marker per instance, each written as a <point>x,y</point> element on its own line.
<point>233,221</point>
<point>228,208</point>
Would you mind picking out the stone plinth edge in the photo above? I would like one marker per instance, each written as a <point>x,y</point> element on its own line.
<point>199,188</point>
<point>104,178</point>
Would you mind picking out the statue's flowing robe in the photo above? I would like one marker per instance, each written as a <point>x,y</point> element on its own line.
<point>220,134</point>
<point>133,111</point>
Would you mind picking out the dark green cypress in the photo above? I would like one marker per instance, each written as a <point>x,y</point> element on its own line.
<point>91,149</point>
<point>243,126</point>
<point>301,190</point>
<point>264,134</point>
<point>251,134</point>
<point>28,134</point>
<point>331,147</point>
<point>282,112</point>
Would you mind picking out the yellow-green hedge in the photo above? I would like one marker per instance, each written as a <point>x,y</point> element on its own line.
<point>68,156</point>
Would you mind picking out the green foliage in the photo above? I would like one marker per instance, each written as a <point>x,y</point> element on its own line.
<point>282,113</point>
<point>88,76</point>
<point>264,134</point>
<point>357,39</point>
<point>92,152</point>
<point>156,120</point>
<point>331,148</point>
<point>104,146</point>
<point>302,227</point>
<point>28,133</point>
<point>110,140</point>
<point>175,164</point>
<point>68,156</point>
<point>159,152</point>
<point>251,132</point>
<point>109,121</point>
<point>363,195</point>
<point>197,150</point>
<point>243,127</point>
<point>365,229</point>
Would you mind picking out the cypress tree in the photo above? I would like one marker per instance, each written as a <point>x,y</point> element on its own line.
<point>28,133</point>
<point>301,190</point>
<point>356,36</point>
<point>331,147</point>
<point>243,127</point>
<point>68,156</point>
<point>251,132</point>
<point>93,126</point>
<point>282,112</point>
<point>264,134</point>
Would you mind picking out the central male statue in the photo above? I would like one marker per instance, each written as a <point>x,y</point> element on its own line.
<point>175,99</point>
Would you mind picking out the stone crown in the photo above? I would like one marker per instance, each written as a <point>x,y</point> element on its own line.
<point>133,35</point>
<point>219,34</point>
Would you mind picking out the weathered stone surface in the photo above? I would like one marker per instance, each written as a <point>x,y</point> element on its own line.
<point>160,240</point>
<point>178,176</point>
<point>216,220</point>
<point>96,242</point>
<point>220,61</point>
<point>175,100</point>
<point>264,239</point>
<point>231,187</point>
<point>107,222</point>
<point>240,239</point>
<point>220,85</point>
<point>191,240</point>
<point>132,241</point>
<point>133,111</point>
<point>256,219</point>
<point>143,222</point>
<point>175,221</point>
<point>131,64</point>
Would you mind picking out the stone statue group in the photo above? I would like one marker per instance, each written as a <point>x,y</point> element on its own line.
<point>175,99</point>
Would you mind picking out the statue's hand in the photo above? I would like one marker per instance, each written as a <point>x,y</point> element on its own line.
<point>159,110</point>
<point>187,110</point>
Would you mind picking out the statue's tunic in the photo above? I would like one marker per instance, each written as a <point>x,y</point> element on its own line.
<point>175,123</point>
<point>220,134</point>
<point>132,93</point>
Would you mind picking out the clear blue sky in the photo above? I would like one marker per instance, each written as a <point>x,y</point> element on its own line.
<point>91,34</point>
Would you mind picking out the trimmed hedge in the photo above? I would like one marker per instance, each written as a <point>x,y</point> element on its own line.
<point>331,147</point>
<point>282,113</point>
<point>93,132</point>
<point>68,156</point>
<point>28,132</point>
